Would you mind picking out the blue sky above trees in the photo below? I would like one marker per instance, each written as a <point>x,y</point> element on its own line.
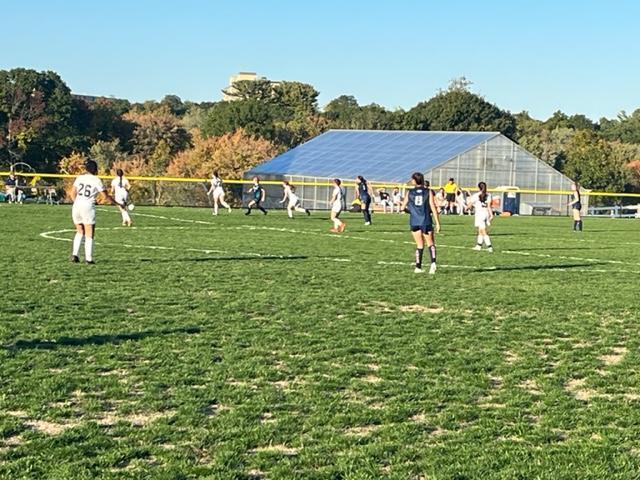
<point>540,56</point>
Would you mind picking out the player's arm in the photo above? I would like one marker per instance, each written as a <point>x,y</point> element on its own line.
<point>434,210</point>
<point>108,198</point>
<point>405,202</point>
<point>263,194</point>
<point>284,198</point>
<point>74,193</point>
<point>210,191</point>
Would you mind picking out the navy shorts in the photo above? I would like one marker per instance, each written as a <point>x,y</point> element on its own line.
<point>577,206</point>
<point>424,228</point>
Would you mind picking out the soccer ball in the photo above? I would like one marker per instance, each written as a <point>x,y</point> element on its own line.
<point>131,206</point>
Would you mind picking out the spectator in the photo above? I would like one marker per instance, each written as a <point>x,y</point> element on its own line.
<point>397,199</point>
<point>385,200</point>
<point>11,184</point>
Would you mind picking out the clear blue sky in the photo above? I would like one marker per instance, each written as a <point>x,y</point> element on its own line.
<point>540,56</point>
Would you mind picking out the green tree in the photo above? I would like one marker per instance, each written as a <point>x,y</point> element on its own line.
<point>154,127</point>
<point>106,154</point>
<point>460,110</point>
<point>260,89</point>
<point>256,118</point>
<point>298,100</point>
<point>626,128</point>
<point>174,104</point>
<point>591,161</point>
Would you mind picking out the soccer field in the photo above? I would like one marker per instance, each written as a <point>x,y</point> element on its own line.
<point>262,347</point>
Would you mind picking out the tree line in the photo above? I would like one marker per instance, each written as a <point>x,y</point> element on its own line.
<point>44,125</point>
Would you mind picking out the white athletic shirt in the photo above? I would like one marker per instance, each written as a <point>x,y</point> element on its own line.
<point>120,190</point>
<point>337,191</point>
<point>287,191</point>
<point>397,197</point>
<point>87,186</point>
<point>216,182</point>
<point>289,194</point>
<point>481,209</point>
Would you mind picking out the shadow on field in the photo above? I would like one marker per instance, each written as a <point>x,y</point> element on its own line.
<point>558,266</point>
<point>564,248</point>
<point>227,259</point>
<point>95,339</point>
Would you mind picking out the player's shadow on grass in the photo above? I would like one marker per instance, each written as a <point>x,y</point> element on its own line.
<point>564,248</point>
<point>556,266</point>
<point>115,338</point>
<point>228,259</point>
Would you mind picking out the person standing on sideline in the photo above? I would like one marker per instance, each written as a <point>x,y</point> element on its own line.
<point>85,189</point>
<point>420,203</point>
<point>481,203</point>
<point>336,203</point>
<point>294,201</point>
<point>218,193</point>
<point>363,194</point>
<point>11,184</point>
<point>451,189</point>
<point>576,206</point>
<point>120,190</point>
<point>397,199</point>
<point>258,195</point>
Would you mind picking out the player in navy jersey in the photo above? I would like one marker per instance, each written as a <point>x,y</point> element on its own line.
<point>423,213</point>
<point>257,196</point>
<point>576,206</point>
<point>363,194</point>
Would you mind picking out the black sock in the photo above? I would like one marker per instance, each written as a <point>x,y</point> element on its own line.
<point>432,253</point>
<point>580,225</point>
<point>262,209</point>
<point>419,254</point>
<point>248,211</point>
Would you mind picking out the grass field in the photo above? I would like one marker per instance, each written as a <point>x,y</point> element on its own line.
<point>260,347</point>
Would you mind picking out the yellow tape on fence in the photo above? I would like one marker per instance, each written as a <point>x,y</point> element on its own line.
<point>326,184</point>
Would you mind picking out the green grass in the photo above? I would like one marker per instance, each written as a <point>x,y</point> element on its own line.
<point>313,360</point>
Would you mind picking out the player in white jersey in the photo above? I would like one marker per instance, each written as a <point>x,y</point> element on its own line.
<point>120,190</point>
<point>218,193</point>
<point>83,193</point>
<point>481,203</point>
<point>336,202</point>
<point>289,193</point>
<point>397,199</point>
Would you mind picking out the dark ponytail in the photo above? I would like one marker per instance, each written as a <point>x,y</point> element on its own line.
<point>120,173</point>
<point>483,192</point>
<point>418,178</point>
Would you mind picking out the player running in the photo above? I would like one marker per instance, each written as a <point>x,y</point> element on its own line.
<point>83,193</point>
<point>337,199</point>
<point>258,195</point>
<point>218,193</point>
<point>294,200</point>
<point>422,210</point>
<point>120,187</point>
<point>481,203</point>
<point>363,194</point>
<point>576,206</point>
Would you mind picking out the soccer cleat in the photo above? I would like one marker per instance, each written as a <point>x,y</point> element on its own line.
<point>308,212</point>
<point>432,269</point>
<point>247,213</point>
<point>75,259</point>
<point>367,223</point>
<point>490,249</point>
<point>265,212</point>
<point>418,270</point>
<point>229,209</point>
<point>342,227</point>
<point>334,230</point>
<point>90,262</point>
<point>477,248</point>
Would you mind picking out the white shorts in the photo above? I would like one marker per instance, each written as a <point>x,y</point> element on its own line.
<point>482,221</point>
<point>218,192</point>
<point>336,207</point>
<point>294,201</point>
<point>122,197</point>
<point>83,214</point>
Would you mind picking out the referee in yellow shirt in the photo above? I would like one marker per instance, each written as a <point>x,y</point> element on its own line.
<point>451,190</point>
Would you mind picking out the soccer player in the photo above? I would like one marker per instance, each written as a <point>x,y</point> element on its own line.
<point>451,189</point>
<point>11,184</point>
<point>258,195</point>
<point>421,206</point>
<point>336,207</point>
<point>83,193</point>
<point>576,206</point>
<point>218,193</point>
<point>481,203</point>
<point>120,190</point>
<point>363,194</point>
<point>294,200</point>
<point>397,199</point>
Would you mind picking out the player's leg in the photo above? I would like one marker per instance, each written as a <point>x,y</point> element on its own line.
<point>290,208</point>
<point>365,211</point>
<point>223,203</point>
<point>77,243</point>
<point>431,245</point>
<point>486,239</point>
<point>479,240</point>
<point>250,207</point>
<point>260,207</point>
<point>89,231</point>
<point>418,237</point>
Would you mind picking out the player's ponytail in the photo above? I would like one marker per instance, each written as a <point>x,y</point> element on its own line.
<point>120,173</point>
<point>483,192</point>
<point>418,178</point>
<point>337,181</point>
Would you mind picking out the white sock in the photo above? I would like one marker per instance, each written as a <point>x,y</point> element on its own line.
<point>290,212</point>
<point>337,222</point>
<point>487,241</point>
<point>77,241</point>
<point>480,237</point>
<point>224,204</point>
<point>88,249</point>
<point>126,217</point>
<point>301,210</point>
<point>215,207</point>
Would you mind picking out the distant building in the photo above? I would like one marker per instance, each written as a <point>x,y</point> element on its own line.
<point>92,98</point>
<point>227,93</point>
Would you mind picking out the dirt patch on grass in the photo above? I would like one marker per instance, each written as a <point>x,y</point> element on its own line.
<point>371,379</point>
<point>530,386</point>
<point>256,474</point>
<point>377,307</point>
<point>145,418</point>
<point>496,382</point>
<point>419,418</point>
<point>50,428</point>
<point>421,309</point>
<point>267,418</point>
<point>363,431</point>
<point>277,449</point>
<point>576,386</point>
<point>17,413</point>
<point>510,358</point>
<point>615,357</point>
